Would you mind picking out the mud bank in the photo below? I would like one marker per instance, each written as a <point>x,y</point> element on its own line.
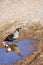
<point>33,31</point>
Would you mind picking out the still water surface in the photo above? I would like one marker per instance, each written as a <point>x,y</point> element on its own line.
<point>25,48</point>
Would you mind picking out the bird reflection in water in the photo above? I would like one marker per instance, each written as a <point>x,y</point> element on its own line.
<point>10,47</point>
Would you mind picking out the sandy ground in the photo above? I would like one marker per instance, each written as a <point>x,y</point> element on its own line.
<point>21,10</point>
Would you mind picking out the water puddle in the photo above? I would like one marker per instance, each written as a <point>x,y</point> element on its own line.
<point>25,48</point>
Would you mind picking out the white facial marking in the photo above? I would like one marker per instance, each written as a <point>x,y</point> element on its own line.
<point>16,34</point>
<point>9,49</point>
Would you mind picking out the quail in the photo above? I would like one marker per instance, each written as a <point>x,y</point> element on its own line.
<point>13,36</point>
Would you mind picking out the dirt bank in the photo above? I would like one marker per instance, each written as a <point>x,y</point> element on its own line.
<point>35,32</point>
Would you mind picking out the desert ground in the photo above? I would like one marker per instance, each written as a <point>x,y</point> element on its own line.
<point>27,14</point>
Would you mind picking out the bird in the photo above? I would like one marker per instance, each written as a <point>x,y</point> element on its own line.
<point>13,36</point>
